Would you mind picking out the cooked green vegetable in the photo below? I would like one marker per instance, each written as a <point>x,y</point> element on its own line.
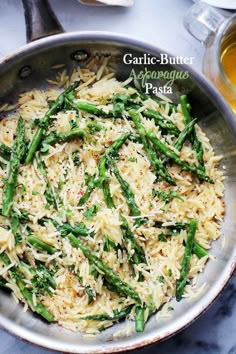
<point>119,102</point>
<point>179,142</point>
<point>117,315</point>
<point>41,245</point>
<point>199,250</point>
<point>76,158</point>
<point>42,280</point>
<point>176,228</point>
<point>181,282</point>
<point>197,145</point>
<point>138,255</point>
<point>49,193</point>
<point>5,152</point>
<point>15,226</point>
<point>92,183</point>
<point>57,137</point>
<point>164,123</point>
<point>94,127</point>
<point>139,318</point>
<point>39,308</point>
<point>110,276</point>
<point>127,192</point>
<point>158,167</point>
<point>79,229</point>
<point>179,161</point>
<point>108,244</point>
<point>103,181</point>
<point>166,196</point>
<point>91,212</point>
<point>110,154</point>
<point>17,155</point>
<point>88,290</point>
<point>91,108</point>
<point>45,122</point>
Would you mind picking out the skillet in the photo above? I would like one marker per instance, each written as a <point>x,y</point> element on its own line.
<point>29,67</point>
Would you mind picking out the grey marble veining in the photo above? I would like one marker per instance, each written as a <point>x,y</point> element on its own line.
<point>160,22</point>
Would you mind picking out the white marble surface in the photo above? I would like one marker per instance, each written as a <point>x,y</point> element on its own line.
<point>160,22</point>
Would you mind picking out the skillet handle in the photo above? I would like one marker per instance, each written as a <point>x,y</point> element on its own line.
<point>40,20</point>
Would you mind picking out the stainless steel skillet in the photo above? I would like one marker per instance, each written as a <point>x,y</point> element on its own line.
<point>28,68</point>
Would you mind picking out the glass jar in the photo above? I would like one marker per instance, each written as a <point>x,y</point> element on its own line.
<point>218,33</point>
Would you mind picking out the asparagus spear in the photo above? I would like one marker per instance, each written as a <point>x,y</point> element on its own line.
<point>117,315</point>
<point>91,108</point>
<point>139,318</point>
<point>79,229</point>
<point>181,282</point>
<point>45,122</point>
<point>42,279</point>
<point>49,193</point>
<point>113,149</point>
<point>15,273</point>
<point>5,152</point>
<point>111,152</point>
<point>92,183</point>
<point>39,307</point>
<point>179,161</point>
<point>109,275</point>
<point>197,145</point>
<point>199,250</point>
<point>18,152</point>
<point>162,122</point>
<point>144,97</point>
<point>104,183</point>
<point>41,245</point>
<point>89,291</point>
<point>127,192</point>
<point>94,127</point>
<point>157,165</point>
<point>138,253</point>
<point>15,226</point>
<point>56,137</point>
<point>178,226</point>
<point>184,134</point>
<point>41,268</point>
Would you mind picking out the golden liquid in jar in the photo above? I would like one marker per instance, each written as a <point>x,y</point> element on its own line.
<point>228,62</point>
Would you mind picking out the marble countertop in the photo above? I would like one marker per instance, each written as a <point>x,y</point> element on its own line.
<point>159,22</point>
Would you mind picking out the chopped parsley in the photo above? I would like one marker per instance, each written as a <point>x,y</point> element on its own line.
<point>73,124</point>
<point>76,158</point>
<point>161,279</point>
<point>162,237</point>
<point>132,159</point>
<point>165,196</point>
<point>108,244</point>
<point>3,165</point>
<point>22,188</point>
<point>91,212</point>
<point>68,214</point>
